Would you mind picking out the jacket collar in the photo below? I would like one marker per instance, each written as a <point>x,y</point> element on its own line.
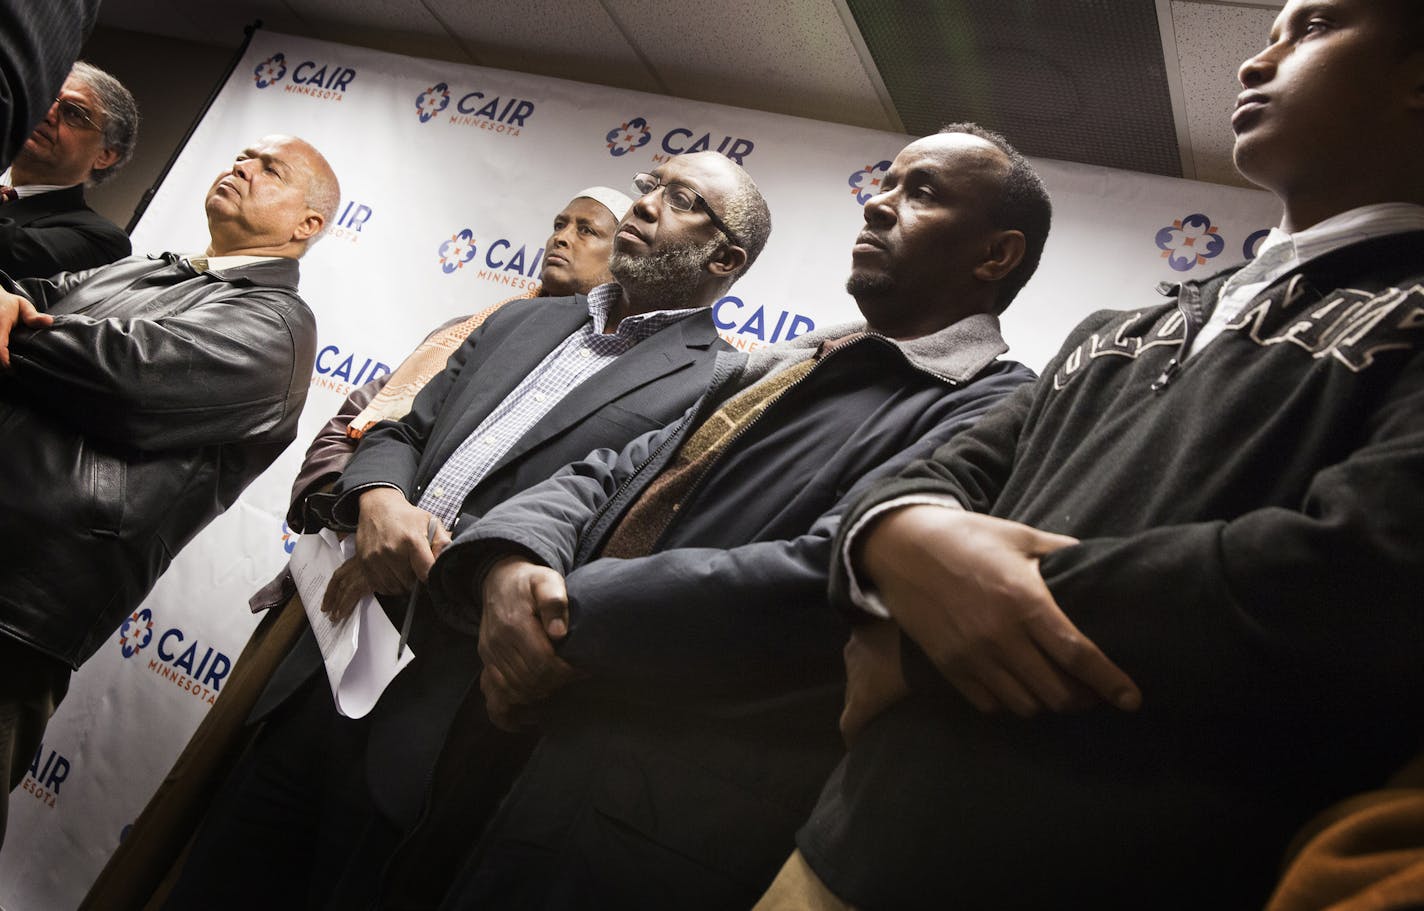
<point>273,271</point>
<point>956,353</point>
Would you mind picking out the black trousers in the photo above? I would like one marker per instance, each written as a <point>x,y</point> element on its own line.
<point>294,825</point>
<point>31,687</point>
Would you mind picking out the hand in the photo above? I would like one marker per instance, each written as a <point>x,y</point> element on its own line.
<point>16,310</point>
<point>526,609</point>
<point>874,680</point>
<point>505,711</point>
<point>966,588</point>
<point>396,542</point>
<point>347,587</point>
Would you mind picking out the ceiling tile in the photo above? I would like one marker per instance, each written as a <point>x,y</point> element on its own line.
<point>1212,41</point>
<point>568,39</point>
<point>400,26</point>
<point>790,57</point>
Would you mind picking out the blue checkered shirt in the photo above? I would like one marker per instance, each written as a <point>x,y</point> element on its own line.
<point>581,355</point>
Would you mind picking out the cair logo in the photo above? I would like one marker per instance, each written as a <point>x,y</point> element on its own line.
<point>325,81</point>
<point>342,371</point>
<point>432,101</point>
<point>746,328</point>
<point>289,538</point>
<point>270,70</point>
<point>457,251</point>
<point>495,113</point>
<point>186,662</point>
<point>866,182</point>
<point>628,137</point>
<point>504,262</point>
<point>349,224</point>
<point>48,770</point>
<point>635,132</point>
<point>1189,242</point>
<point>136,632</point>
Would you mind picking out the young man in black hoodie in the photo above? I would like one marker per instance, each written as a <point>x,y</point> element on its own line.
<point>1199,528</point>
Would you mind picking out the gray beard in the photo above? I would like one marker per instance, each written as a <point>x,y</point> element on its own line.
<point>669,277</point>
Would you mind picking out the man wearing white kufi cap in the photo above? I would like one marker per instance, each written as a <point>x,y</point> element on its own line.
<point>538,384</point>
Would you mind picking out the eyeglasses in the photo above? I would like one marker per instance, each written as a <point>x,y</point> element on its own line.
<point>75,117</point>
<point>682,198</point>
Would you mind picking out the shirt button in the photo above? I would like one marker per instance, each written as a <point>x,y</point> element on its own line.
<point>438,492</point>
<point>488,441</point>
<point>538,396</point>
<point>586,353</point>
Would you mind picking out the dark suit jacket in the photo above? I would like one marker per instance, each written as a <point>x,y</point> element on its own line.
<point>644,389</point>
<point>56,232</point>
<point>39,42</point>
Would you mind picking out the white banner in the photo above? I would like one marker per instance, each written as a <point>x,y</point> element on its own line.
<point>451,176</point>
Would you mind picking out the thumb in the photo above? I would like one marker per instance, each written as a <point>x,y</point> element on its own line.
<point>1046,542</point>
<point>551,603</point>
<point>442,540</point>
<point>32,317</point>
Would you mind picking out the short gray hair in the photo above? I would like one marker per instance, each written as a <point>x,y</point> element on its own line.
<point>746,213</point>
<point>120,112</point>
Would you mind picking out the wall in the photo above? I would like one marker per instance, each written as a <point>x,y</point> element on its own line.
<point>170,80</point>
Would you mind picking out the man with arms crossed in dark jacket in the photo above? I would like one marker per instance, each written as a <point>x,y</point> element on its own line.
<point>666,605</point>
<point>320,801</point>
<point>1223,493</point>
<point>137,401</point>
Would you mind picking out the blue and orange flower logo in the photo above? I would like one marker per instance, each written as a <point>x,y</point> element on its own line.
<point>136,632</point>
<point>866,182</point>
<point>628,136</point>
<point>1189,242</point>
<point>432,101</point>
<point>457,251</point>
<point>270,70</point>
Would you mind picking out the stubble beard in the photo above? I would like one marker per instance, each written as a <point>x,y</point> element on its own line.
<point>869,287</point>
<point>668,276</point>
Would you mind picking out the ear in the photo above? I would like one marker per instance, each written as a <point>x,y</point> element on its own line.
<point>728,260</point>
<point>310,226</point>
<point>104,159</point>
<point>1002,255</point>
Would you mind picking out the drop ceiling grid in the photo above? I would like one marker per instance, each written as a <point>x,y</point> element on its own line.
<point>1212,41</point>
<point>791,57</point>
<point>568,39</point>
<point>1081,80</point>
<point>402,26</point>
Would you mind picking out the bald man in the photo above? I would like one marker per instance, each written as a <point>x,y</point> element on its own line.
<point>139,399</point>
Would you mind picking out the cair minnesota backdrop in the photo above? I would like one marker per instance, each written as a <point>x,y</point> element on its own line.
<point>450,178</point>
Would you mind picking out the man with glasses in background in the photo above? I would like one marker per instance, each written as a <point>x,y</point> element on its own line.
<point>320,802</point>
<point>87,135</point>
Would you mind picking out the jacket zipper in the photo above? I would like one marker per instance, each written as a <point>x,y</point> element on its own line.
<point>1189,306</point>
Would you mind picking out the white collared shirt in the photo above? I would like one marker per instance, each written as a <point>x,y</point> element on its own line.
<point>1281,252</point>
<point>33,189</point>
<point>201,263</point>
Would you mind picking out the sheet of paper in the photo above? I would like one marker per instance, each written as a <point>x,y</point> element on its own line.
<point>360,651</point>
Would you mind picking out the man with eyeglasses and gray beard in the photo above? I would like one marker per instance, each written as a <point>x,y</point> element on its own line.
<point>87,135</point>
